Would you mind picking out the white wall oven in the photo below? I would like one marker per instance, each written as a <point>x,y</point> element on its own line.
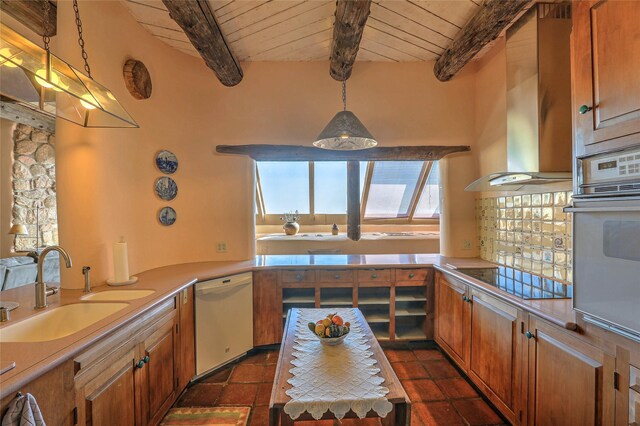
<point>606,223</point>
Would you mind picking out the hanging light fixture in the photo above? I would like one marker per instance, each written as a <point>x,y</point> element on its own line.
<point>37,79</point>
<point>345,132</point>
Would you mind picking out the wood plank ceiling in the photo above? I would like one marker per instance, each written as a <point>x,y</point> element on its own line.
<point>301,30</point>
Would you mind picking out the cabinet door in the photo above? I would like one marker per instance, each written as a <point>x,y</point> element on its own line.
<point>494,363</point>
<point>267,308</point>
<point>109,397</point>
<point>570,382</point>
<point>452,325</point>
<point>606,38</point>
<point>186,359</point>
<point>158,374</point>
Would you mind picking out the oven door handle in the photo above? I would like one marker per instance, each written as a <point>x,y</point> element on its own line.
<point>570,209</point>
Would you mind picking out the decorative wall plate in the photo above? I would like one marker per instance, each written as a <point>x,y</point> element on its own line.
<point>167,216</point>
<point>167,162</point>
<point>166,188</point>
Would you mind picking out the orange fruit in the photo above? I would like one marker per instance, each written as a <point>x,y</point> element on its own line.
<point>326,322</point>
<point>327,332</point>
<point>348,324</point>
<point>337,320</point>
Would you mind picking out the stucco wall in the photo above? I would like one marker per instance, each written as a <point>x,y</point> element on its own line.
<point>105,177</point>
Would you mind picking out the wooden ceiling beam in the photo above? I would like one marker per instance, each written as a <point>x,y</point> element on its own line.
<point>199,24</point>
<point>22,114</point>
<point>310,153</point>
<point>31,13</point>
<point>487,24</point>
<point>350,20</point>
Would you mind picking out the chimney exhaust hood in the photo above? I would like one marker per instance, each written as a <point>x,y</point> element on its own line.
<point>538,101</point>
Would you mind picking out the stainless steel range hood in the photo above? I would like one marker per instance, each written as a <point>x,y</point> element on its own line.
<point>538,101</point>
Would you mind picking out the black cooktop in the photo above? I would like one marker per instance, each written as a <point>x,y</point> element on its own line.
<point>520,283</point>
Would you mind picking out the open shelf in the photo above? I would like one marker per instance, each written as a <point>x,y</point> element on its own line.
<point>380,330</point>
<point>411,312</point>
<point>299,299</point>
<point>411,298</point>
<point>376,318</point>
<point>410,334</point>
<point>340,296</point>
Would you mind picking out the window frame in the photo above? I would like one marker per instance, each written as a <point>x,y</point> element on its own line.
<point>263,218</point>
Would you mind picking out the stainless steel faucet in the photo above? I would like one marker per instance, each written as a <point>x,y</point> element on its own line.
<point>42,291</point>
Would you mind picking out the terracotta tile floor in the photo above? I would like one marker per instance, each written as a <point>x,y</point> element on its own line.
<point>439,394</point>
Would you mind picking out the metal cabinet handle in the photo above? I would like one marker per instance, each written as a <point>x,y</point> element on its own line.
<point>374,276</point>
<point>298,277</point>
<point>464,297</point>
<point>584,109</point>
<point>529,335</point>
<point>411,275</point>
<point>146,359</point>
<point>336,277</point>
<point>140,364</point>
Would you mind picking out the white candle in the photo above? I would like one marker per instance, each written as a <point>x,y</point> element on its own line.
<point>120,261</point>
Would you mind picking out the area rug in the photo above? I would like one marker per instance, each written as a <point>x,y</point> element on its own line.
<point>218,416</point>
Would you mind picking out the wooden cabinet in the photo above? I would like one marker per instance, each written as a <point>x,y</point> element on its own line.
<point>157,374</point>
<point>108,398</point>
<point>186,358</point>
<point>397,303</point>
<point>131,376</point>
<point>496,351</point>
<point>267,308</point>
<point>606,60</point>
<point>535,373</point>
<point>54,391</point>
<point>570,381</point>
<point>482,335</point>
<point>452,319</point>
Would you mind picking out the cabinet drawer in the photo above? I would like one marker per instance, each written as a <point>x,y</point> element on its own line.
<point>299,276</point>
<point>336,276</point>
<point>413,274</point>
<point>374,275</point>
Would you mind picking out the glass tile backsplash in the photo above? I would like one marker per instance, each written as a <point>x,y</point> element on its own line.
<point>528,232</point>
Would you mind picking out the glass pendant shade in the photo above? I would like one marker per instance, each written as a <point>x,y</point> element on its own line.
<point>345,132</point>
<point>37,79</point>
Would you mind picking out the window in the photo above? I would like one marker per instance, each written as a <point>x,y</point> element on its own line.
<point>392,188</point>
<point>391,191</point>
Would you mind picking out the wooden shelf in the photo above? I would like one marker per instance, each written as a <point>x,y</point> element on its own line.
<point>410,298</point>
<point>299,299</point>
<point>376,318</point>
<point>374,301</point>
<point>336,301</point>
<point>411,312</point>
<point>409,333</point>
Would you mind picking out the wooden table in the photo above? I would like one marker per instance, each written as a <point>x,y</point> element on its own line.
<point>401,414</point>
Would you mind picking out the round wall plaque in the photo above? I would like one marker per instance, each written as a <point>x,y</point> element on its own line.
<point>166,188</point>
<point>167,162</point>
<point>167,216</point>
<point>137,79</point>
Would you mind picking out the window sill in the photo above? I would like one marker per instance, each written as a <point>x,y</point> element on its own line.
<point>367,236</point>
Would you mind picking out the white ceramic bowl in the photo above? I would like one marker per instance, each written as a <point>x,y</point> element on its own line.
<point>332,341</point>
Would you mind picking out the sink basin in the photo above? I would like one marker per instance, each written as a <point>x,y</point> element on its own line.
<point>118,295</point>
<point>58,322</point>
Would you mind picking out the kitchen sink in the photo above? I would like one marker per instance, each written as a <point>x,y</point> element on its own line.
<point>58,322</point>
<point>118,295</point>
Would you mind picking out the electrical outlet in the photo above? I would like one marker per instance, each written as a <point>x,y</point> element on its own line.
<point>466,245</point>
<point>221,247</point>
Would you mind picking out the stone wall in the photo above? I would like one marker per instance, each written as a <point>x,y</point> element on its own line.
<point>34,186</point>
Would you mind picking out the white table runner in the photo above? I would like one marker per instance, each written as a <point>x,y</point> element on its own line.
<point>334,378</point>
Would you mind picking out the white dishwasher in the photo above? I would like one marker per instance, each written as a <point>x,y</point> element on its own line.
<point>224,320</point>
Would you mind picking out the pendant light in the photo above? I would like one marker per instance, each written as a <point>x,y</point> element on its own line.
<point>345,132</point>
<point>37,79</point>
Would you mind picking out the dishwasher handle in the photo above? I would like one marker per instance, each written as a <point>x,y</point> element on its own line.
<point>217,286</point>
